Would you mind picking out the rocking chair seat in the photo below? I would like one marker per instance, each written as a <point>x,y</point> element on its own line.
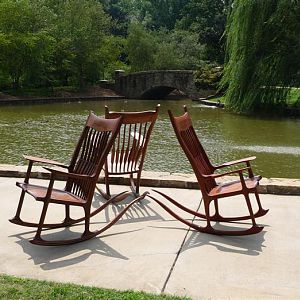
<point>57,196</point>
<point>233,187</point>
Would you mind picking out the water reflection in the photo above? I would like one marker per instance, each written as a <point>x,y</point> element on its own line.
<point>52,130</point>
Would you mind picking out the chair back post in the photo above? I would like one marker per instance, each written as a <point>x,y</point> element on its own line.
<point>154,118</point>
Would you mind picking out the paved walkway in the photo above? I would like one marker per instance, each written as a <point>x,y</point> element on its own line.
<point>149,250</point>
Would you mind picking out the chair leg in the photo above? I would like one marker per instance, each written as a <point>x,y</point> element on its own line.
<point>105,194</point>
<point>217,213</point>
<point>261,210</point>
<point>41,222</point>
<point>86,222</point>
<point>207,213</point>
<point>106,179</point>
<point>219,218</point>
<point>68,219</point>
<point>135,187</point>
<point>18,212</point>
<point>250,208</point>
<point>138,181</point>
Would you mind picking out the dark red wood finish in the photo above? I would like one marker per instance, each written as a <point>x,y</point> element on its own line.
<point>128,152</point>
<point>211,190</point>
<point>81,177</point>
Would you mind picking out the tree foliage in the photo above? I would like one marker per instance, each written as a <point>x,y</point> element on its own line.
<point>263,48</point>
<point>47,42</point>
<point>208,19</point>
<point>205,20</point>
<point>81,31</point>
<point>162,50</point>
<point>164,13</point>
<point>177,49</point>
<point>25,45</point>
<point>140,48</point>
<point>120,11</point>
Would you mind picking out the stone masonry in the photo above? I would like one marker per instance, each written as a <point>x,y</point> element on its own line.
<point>156,84</point>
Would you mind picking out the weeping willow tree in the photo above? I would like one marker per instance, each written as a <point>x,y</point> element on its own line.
<point>263,53</point>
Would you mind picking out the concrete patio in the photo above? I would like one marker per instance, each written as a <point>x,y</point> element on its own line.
<point>149,250</point>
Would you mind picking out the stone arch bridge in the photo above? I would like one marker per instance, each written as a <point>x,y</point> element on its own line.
<point>155,84</point>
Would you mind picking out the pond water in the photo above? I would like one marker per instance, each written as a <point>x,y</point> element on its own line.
<point>52,130</point>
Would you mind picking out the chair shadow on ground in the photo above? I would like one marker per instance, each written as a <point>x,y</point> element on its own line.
<point>55,257</point>
<point>251,245</point>
<point>139,212</point>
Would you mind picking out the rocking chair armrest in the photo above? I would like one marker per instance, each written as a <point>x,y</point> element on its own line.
<point>240,171</point>
<point>44,160</point>
<point>56,173</point>
<point>235,162</point>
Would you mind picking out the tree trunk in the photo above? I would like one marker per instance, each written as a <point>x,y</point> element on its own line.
<point>16,83</point>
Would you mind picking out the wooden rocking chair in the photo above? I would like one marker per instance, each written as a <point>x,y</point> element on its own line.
<point>129,149</point>
<point>211,191</point>
<point>81,177</point>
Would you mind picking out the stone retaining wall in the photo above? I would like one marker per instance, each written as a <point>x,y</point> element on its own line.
<point>278,186</point>
<point>23,101</point>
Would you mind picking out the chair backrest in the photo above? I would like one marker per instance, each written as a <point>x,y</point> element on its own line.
<point>130,146</point>
<point>193,149</point>
<point>90,153</point>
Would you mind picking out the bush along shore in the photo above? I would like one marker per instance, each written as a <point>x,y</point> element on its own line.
<point>62,94</point>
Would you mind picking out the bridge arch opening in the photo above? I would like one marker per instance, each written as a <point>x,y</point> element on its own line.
<point>158,92</point>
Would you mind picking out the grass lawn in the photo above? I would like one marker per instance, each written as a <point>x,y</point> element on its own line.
<point>18,288</point>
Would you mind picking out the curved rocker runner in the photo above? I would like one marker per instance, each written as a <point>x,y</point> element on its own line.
<point>81,177</point>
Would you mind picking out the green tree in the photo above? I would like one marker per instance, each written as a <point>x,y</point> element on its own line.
<point>163,49</point>
<point>82,34</point>
<point>25,43</point>
<point>140,48</point>
<point>119,12</point>
<point>123,12</point>
<point>163,13</point>
<point>263,48</point>
<point>177,49</point>
<point>208,19</point>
